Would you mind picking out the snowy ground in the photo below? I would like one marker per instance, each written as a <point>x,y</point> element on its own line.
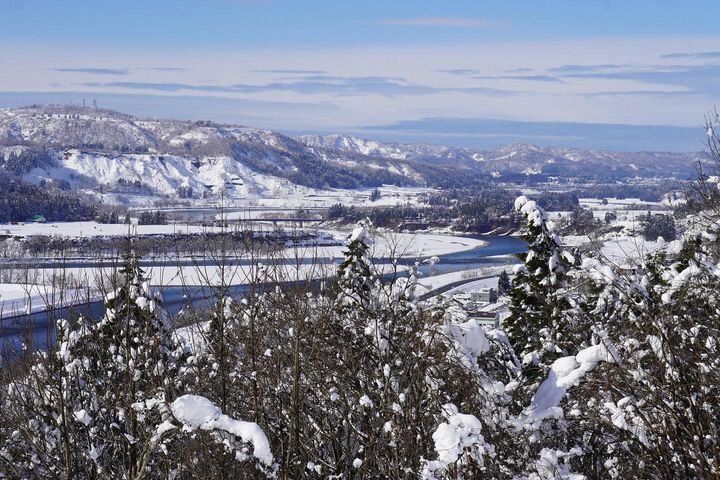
<point>405,245</point>
<point>634,216</point>
<point>622,250</point>
<point>402,244</point>
<point>292,264</point>
<point>428,284</point>
<point>615,203</point>
<point>17,299</point>
<point>628,210</point>
<point>390,195</point>
<point>93,229</point>
<point>627,247</point>
<point>288,196</point>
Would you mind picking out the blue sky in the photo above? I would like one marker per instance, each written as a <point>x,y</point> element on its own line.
<point>547,72</point>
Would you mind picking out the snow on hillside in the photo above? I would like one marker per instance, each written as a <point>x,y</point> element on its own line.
<point>60,126</point>
<point>119,156</point>
<point>515,158</point>
<point>374,148</point>
<point>166,174</point>
<point>101,148</point>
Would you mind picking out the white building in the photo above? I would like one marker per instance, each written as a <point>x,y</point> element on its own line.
<point>486,295</point>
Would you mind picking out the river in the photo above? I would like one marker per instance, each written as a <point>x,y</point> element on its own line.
<point>39,327</point>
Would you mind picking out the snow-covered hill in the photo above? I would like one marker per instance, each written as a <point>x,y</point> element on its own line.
<point>519,158</point>
<point>107,149</point>
<point>374,148</point>
<point>165,175</point>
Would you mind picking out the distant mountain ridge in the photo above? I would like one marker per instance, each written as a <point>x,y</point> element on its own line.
<point>115,152</point>
<point>519,158</point>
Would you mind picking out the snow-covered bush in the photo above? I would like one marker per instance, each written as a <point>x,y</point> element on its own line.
<point>103,404</point>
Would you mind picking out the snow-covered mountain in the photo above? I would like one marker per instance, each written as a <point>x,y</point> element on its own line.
<point>106,151</point>
<point>374,148</point>
<point>519,158</point>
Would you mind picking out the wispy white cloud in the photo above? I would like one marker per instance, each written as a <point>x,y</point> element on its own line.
<point>93,70</point>
<point>698,79</point>
<point>449,22</point>
<point>291,71</point>
<point>600,80</point>
<point>472,73</point>
<point>692,55</point>
<point>312,85</point>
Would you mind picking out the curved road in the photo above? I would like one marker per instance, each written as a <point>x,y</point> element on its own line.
<point>13,330</point>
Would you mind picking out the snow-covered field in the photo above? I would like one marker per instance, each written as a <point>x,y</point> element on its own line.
<point>94,229</point>
<point>385,244</point>
<point>626,209</point>
<point>622,250</point>
<point>626,247</point>
<point>295,263</point>
<point>390,195</point>
<point>623,215</point>
<point>614,203</point>
<point>408,245</point>
<point>18,299</point>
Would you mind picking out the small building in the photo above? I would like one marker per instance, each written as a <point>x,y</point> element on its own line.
<point>485,318</point>
<point>463,298</point>
<point>37,219</point>
<point>485,295</point>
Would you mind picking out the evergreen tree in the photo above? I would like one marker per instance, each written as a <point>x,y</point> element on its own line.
<point>535,325</point>
<point>108,402</point>
<point>132,346</point>
<point>400,357</point>
<point>355,275</point>
<point>110,384</point>
<point>503,286</point>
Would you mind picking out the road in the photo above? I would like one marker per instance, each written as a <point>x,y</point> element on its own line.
<point>39,326</point>
<point>450,286</point>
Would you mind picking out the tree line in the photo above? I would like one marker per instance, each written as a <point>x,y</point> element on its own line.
<point>20,200</point>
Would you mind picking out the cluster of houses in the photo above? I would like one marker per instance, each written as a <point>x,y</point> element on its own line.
<point>475,303</point>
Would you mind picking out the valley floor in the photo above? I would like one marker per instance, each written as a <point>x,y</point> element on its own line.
<point>35,292</point>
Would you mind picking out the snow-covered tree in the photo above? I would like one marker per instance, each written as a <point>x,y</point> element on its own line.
<point>645,409</point>
<point>503,286</point>
<point>355,275</point>
<point>661,398</point>
<point>103,404</point>
<point>403,375</point>
<point>132,346</point>
<point>108,378</point>
<point>536,325</point>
